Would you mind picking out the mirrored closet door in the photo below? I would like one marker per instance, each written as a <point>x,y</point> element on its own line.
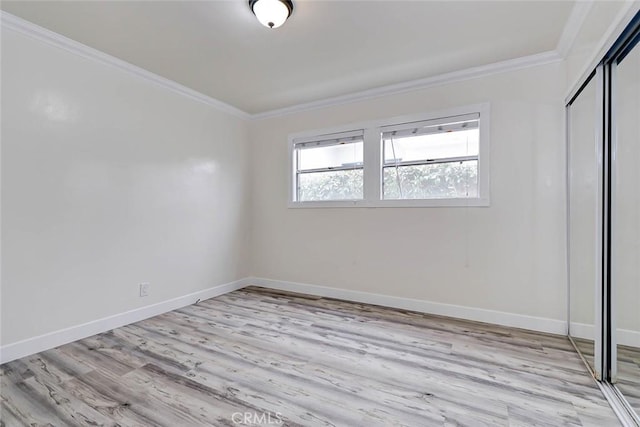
<point>625,222</point>
<point>603,213</point>
<point>584,220</point>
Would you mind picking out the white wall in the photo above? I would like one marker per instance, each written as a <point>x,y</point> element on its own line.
<point>508,257</point>
<point>107,181</point>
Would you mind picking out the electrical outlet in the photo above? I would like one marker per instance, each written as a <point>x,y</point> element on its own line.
<point>144,289</point>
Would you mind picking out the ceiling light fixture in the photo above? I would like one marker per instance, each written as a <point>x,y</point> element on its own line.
<point>271,13</point>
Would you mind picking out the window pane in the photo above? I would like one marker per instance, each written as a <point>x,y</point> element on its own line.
<point>431,181</point>
<point>331,185</point>
<point>331,156</point>
<point>431,146</point>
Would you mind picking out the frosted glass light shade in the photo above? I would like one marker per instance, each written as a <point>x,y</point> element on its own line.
<point>271,13</point>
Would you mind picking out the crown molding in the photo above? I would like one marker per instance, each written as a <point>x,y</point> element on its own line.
<point>39,33</point>
<point>543,58</point>
<point>572,27</point>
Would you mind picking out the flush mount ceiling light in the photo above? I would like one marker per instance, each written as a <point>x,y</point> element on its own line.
<point>271,13</point>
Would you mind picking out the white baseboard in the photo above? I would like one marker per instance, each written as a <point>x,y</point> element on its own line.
<point>623,337</point>
<point>44,342</point>
<point>581,330</point>
<point>539,324</point>
<point>629,337</point>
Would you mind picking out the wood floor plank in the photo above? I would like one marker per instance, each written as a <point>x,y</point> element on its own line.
<point>24,404</point>
<point>308,361</point>
<point>58,399</point>
<point>114,406</point>
<point>15,371</point>
<point>8,418</point>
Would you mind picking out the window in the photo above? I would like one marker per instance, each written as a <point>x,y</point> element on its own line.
<point>433,159</point>
<point>329,167</point>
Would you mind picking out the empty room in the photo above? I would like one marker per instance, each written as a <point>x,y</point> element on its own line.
<point>347,213</point>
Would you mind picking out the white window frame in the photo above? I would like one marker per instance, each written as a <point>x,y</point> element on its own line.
<point>333,137</point>
<point>373,162</point>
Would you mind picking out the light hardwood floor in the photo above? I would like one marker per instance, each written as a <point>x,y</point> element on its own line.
<point>306,361</point>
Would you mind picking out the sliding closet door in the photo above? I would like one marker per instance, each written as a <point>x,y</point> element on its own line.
<point>625,223</point>
<point>584,156</point>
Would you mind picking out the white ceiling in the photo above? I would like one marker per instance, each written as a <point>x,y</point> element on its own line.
<point>326,49</point>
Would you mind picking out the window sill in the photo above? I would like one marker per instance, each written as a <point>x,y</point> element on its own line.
<point>422,203</point>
